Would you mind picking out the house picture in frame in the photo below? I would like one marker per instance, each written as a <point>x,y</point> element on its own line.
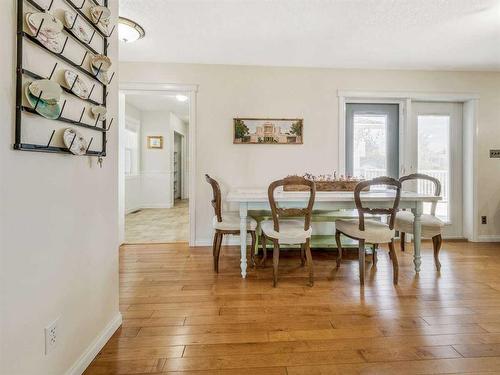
<point>268,131</point>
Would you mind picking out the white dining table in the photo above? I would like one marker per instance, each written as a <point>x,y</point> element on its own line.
<point>257,199</point>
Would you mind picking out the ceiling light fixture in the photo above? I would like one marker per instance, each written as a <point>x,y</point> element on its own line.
<point>129,31</point>
<point>181,98</point>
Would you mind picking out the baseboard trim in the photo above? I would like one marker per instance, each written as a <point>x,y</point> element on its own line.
<point>155,205</point>
<point>95,347</point>
<point>202,243</point>
<point>146,206</point>
<point>488,238</point>
<point>227,241</point>
<point>235,240</point>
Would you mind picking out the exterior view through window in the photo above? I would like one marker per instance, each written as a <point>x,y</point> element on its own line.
<point>434,158</point>
<point>372,140</point>
<point>370,146</point>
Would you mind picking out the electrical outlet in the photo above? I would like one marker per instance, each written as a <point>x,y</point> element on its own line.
<point>494,154</point>
<point>51,337</point>
<point>483,220</point>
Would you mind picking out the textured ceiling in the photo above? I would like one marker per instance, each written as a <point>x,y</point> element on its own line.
<point>160,103</point>
<point>426,34</point>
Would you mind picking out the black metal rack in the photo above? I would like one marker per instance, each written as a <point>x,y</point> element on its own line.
<point>22,37</point>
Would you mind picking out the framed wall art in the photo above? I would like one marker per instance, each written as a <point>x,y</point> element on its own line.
<point>155,141</point>
<point>268,131</point>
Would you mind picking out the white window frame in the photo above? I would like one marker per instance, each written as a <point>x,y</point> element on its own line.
<point>470,129</point>
<point>343,100</point>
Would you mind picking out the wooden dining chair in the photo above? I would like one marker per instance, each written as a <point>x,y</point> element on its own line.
<point>283,231</point>
<point>431,225</point>
<point>371,231</point>
<point>227,223</point>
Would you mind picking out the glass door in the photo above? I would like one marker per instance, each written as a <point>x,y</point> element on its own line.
<point>372,140</point>
<point>437,151</point>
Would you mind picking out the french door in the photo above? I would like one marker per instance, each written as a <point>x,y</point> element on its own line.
<point>431,144</point>
<point>435,140</point>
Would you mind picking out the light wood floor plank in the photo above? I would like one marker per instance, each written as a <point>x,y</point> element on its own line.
<point>478,350</point>
<point>182,318</point>
<point>438,366</point>
<point>252,360</point>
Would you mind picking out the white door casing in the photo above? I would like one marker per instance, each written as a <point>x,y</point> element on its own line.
<point>166,89</point>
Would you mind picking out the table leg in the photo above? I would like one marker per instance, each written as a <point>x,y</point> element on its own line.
<point>361,259</point>
<point>417,235</point>
<point>243,238</point>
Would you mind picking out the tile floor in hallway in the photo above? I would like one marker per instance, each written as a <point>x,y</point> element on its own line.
<point>158,225</point>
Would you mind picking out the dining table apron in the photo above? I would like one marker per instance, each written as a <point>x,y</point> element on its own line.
<point>257,199</point>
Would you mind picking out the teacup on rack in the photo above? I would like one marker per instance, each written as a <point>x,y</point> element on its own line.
<point>51,111</point>
<point>100,62</point>
<point>47,29</point>
<point>100,14</point>
<point>47,90</point>
<point>99,65</point>
<point>99,112</point>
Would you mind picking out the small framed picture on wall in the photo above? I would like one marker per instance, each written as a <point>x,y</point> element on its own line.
<point>155,141</point>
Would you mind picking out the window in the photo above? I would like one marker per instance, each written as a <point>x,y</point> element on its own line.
<point>432,140</point>
<point>369,145</point>
<point>434,158</point>
<point>372,140</point>
<point>131,152</point>
<point>436,130</point>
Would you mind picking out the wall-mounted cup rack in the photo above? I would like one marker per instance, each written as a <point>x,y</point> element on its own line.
<point>23,75</point>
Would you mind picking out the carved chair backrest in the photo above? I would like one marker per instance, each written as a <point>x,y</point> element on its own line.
<point>421,176</point>
<point>217,197</point>
<point>279,212</point>
<point>392,184</point>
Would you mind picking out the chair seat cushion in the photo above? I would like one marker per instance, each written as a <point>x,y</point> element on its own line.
<point>291,231</point>
<point>231,221</point>
<point>375,231</point>
<point>431,225</point>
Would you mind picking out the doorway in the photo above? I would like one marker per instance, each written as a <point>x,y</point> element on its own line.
<point>436,131</point>
<point>453,119</point>
<point>178,168</point>
<point>154,138</point>
<point>432,144</point>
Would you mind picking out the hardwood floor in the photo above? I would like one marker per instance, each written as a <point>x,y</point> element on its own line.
<point>182,318</point>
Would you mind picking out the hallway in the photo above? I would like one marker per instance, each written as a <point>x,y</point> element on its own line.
<point>158,225</point>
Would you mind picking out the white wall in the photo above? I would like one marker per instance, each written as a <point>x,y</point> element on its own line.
<point>242,91</point>
<point>155,163</point>
<point>133,185</point>
<point>152,186</point>
<point>58,236</point>
<point>133,113</point>
<point>133,193</point>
